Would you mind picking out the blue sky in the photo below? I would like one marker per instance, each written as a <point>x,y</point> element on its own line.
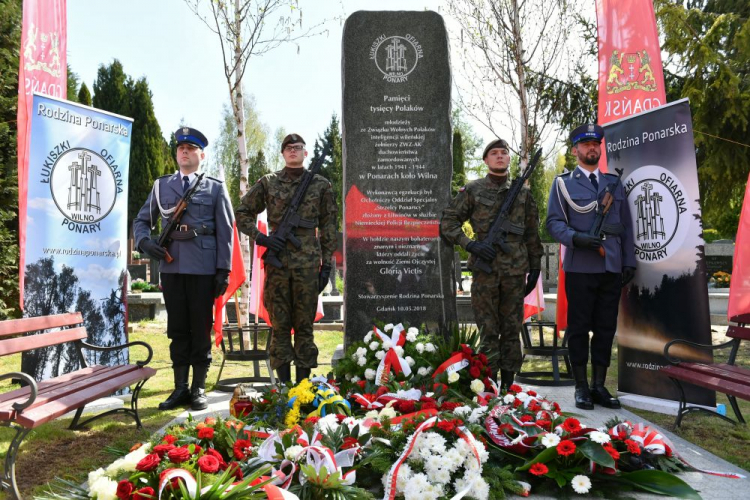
<point>181,59</point>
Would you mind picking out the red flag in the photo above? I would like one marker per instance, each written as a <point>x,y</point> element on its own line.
<point>739,288</point>
<point>237,276</point>
<point>631,78</point>
<point>43,68</point>
<point>533,303</point>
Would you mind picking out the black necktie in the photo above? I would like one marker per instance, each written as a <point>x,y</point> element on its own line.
<point>594,182</point>
<point>185,183</point>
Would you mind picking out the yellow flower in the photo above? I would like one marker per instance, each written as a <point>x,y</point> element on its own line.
<point>303,391</point>
<point>292,416</point>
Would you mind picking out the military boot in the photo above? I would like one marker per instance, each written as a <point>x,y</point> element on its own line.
<point>582,394</point>
<point>599,394</point>
<point>284,373</point>
<point>181,394</point>
<point>506,380</point>
<point>302,374</point>
<point>198,388</point>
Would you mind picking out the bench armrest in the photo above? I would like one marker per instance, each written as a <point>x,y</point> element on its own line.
<point>19,407</point>
<point>117,347</point>
<point>675,360</point>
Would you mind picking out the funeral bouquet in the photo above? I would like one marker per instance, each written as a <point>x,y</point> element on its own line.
<point>391,353</point>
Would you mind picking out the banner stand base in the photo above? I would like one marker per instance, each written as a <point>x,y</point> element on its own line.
<point>657,405</point>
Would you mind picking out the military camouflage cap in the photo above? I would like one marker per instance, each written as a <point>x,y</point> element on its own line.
<point>497,143</point>
<point>291,139</point>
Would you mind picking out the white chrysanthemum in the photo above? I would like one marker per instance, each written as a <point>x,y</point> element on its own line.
<point>374,345</point>
<point>387,344</point>
<point>439,475</point>
<point>399,350</point>
<point>94,475</point>
<point>350,422</point>
<point>549,440</point>
<point>129,461</point>
<point>546,406</point>
<point>480,490</point>
<point>354,379</point>
<point>599,437</point>
<point>410,361</point>
<point>508,399</point>
<point>453,377</point>
<point>422,371</point>
<point>292,453</point>
<point>380,354</point>
<point>581,484</point>
<point>348,376</point>
<point>388,327</point>
<point>388,411</point>
<point>402,480</point>
<point>419,347</point>
<point>411,334</point>
<point>368,337</point>
<point>477,386</point>
<point>453,459</point>
<point>329,423</point>
<point>522,396</point>
<point>362,361</point>
<point>416,487</point>
<point>462,411</point>
<point>361,351</point>
<point>103,488</point>
<point>370,374</point>
<point>429,347</point>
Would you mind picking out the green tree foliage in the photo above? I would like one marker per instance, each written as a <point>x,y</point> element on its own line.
<point>10,38</point>
<point>273,149</point>
<point>73,81</point>
<point>116,92</point>
<point>472,145</point>
<point>707,43</point>
<point>458,178</point>
<point>332,168</point>
<point>84,95</point>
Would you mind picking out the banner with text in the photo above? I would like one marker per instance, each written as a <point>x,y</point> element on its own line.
<point>77,227</point>
<point>668,298</point>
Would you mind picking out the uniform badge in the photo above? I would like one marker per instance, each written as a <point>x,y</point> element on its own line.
<point>591,128</point>
<point>185,131</point>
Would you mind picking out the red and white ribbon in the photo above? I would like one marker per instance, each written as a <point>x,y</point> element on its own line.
<point>458,361</point>
<point>493,429</point>
<point>392,361</point>
<point>166,477</point>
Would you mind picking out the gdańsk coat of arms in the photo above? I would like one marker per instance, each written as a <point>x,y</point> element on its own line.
<point>630,71</point>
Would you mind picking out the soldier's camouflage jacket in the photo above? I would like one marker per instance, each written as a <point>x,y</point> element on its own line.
<point>273,192</point>
<point>479,202</point>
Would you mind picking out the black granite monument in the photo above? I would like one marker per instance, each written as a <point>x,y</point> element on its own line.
<point>397,171</point>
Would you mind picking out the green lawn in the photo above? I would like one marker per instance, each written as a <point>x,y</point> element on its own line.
<point>54,451</point>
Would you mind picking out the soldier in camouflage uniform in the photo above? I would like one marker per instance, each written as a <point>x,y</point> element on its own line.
<point>497,298</point>
<point>291,293</point>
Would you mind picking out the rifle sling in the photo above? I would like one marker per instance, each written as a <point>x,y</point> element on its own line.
<point>613,229</point>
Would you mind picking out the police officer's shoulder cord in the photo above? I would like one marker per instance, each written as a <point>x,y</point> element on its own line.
<point>563,189</point>
<point>165,212</point>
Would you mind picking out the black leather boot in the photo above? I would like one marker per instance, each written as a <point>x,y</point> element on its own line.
<point>599,394</point>
<point>198,388</point>
<point>302,373</point>
<point>583,394</point>
<point>181,394</point>
<point>284,373</point>
<point>506,380</point>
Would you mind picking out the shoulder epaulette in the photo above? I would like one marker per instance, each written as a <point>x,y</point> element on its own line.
<point>165,175</point>
<point>610,174</point>
<point>567,172</point>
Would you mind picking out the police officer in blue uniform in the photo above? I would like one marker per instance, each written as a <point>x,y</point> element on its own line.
<point>592,282</point>
<point>202,253</point>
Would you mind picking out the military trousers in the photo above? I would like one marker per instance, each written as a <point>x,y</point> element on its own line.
<point>291,298</point>
<point>189,300</point>
<point>497,303</point>
<point>593,302</point>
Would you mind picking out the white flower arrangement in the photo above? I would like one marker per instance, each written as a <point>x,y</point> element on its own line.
<point>453,377</point>
<point>370,374</point>
<point>599,437</point>
<point>292,453</point>
<point>581,484</point>
<point>550,440</point>
<point>477,386</point>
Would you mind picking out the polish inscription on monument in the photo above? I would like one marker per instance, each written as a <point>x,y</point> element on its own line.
<point>397,171</point>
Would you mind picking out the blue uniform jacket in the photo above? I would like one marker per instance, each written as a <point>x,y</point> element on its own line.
<point>562,222</point>
<point>210,208</point>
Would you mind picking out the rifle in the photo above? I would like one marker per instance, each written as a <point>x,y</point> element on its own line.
<point>174,220</point>
<point>599,228</point>
<point>502,226</point>
<point>292,219</point>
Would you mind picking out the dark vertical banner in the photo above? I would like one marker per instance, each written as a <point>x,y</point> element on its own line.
<point>77,228</point>
<point>668,298</point>
<point>397,171</point>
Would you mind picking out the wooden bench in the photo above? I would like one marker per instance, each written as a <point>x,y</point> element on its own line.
<point>727,378</point>
<point>26,408</point>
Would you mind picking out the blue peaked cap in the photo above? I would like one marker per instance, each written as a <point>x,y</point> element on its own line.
<point>191,136</point>
<point>586,132</point>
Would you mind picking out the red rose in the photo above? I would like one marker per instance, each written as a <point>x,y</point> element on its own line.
<point>446,425</point>
<point>515,388</point>
<point>474,372</point>
<point>242,448</point>
<point>163,449</point>
<point>208,464</point>
<point>234,470</point>
<point>170,439</point>
<point>566,448</point>
<point>381,390</point>
<point>362,384</point>
<point>196,449</point>
<point>217,455</point>
<point>312,420</point>
<point>544,424</point>
<point>526,418</point>
<point>146,493</point>
<point>429,406</point>
<point>483,358</point>
<point>124,489</point>
<point>539,469</point>
<point>206,433</point>
<point>517,403</point>
<point>350,442</point>
<point>148,463</point>
<point>571,425</point>
<point>405,406</point>
<point>449,405</point>
<point>179,455</point>
<point>633,447</point>
<point>466,350</point>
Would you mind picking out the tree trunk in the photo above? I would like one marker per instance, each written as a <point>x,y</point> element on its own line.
<point>523,99</point>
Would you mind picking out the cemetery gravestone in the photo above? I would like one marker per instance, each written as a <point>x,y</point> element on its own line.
<point>397,171</point>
